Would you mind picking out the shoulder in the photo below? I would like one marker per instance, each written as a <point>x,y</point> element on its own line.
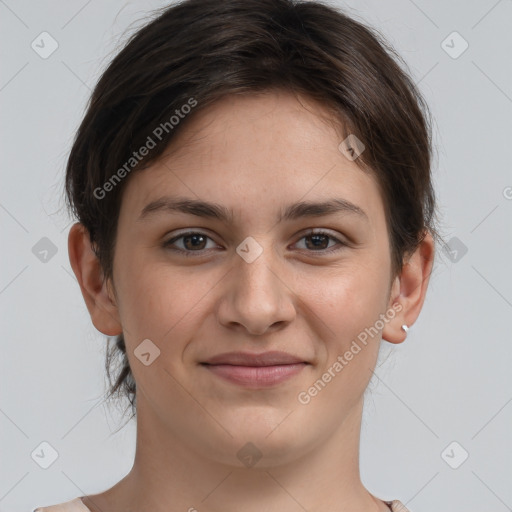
<point>75,505</point>
<point>397,506</point>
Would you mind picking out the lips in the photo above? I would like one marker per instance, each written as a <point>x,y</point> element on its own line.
<point>255,371</point>
<point>273,358</point>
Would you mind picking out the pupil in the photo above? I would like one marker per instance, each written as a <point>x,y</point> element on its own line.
<point>195,237</point>
<point>316,239</point>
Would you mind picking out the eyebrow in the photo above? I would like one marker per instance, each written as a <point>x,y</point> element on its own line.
<point>205,209</point>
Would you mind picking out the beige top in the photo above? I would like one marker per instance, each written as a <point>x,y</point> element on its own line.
<point>77,505</point>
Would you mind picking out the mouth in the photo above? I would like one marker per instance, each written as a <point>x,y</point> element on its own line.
<point>255,370</point>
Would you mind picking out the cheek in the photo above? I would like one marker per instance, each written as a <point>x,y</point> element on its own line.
<point>348,298</point>
<point>163,303</point>
<point>345,307</point>
<point>163,307</point>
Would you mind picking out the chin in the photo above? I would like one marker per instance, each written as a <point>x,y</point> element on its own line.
<point>259,441</point>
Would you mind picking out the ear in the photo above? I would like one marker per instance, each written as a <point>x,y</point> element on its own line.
<point>95,290</point>
<point>409,290</point>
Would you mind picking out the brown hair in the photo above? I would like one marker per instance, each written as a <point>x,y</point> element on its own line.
<point>201,50</point>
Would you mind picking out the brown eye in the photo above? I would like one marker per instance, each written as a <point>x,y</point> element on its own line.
<point>318,241</point>
<point>192,242</point>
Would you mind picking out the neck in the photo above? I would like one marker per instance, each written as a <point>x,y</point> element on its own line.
<point>168,475</point>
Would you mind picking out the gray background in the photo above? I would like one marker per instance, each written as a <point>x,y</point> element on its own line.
<point>450,381</point>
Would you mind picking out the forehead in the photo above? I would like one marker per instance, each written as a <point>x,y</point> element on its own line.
<point>254,153</point>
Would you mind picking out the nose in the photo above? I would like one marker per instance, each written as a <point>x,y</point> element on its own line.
<point>257,295</point>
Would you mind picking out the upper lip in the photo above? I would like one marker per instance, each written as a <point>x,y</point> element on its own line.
<point>250,359</point>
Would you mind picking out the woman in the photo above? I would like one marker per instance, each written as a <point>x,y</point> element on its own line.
<point>255,212</point>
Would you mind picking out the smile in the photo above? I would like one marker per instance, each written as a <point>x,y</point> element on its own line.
<point>255,376</point>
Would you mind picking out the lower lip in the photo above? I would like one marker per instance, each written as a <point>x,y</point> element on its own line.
<point>256,376</point>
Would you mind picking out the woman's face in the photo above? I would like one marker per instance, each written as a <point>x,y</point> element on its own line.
<point>252,282</point>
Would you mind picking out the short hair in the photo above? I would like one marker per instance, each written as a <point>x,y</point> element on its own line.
<point>196,52</point>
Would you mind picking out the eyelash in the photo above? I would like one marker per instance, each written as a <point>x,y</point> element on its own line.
<point>187,253</point>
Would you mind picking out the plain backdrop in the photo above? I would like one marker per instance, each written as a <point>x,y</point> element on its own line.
<point>437,422</point>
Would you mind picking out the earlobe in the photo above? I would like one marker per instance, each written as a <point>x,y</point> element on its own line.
<point>95,289</point>
<point>409,291</point>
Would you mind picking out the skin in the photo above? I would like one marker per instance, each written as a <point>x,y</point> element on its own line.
<point>256,155</point>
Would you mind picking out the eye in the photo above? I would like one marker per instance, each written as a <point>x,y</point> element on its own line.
<point>196,242</point>
<point>319,238</point>
<point>193,241</point>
